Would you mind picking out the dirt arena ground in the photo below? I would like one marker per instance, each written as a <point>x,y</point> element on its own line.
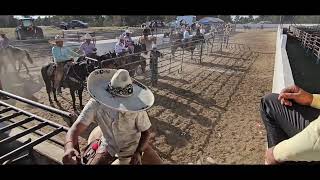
<point>206,114</point>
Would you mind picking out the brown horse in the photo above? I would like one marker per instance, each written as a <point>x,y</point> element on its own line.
<point>176,42</point>
<point>12,55</point>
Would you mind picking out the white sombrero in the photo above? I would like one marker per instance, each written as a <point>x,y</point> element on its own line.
<point>117,90</point>
<point>86,36</point>
<point>128,31</point>
<point>56,38</point>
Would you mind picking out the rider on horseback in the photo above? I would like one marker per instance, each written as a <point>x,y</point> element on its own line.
<point>128,41</point>
<point>4,41</point>
<point>120,48</point>
<point>88,48</point>
<point>63,57</point>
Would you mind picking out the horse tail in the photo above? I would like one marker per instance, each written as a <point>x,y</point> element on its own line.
<point>28,57</point>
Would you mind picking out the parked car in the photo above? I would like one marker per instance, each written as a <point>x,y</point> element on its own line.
<point>265,22</point>
<point>77,23</point>
<point>63,25</point>
<point>73,24</point>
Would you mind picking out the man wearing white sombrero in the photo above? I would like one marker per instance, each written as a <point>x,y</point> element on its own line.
<point>118,105</point>
<point>62,56</point>
<point>87,47</point>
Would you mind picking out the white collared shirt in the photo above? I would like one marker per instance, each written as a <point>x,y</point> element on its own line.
<point>121,131</point>
<point>87,48</point>
<point>119,47</point>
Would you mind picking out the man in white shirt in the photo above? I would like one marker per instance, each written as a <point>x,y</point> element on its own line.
<point>120,48</point>
<point>88,48</point>
<point>128,41</point>
<point>4,41</point>
<point>202,30</point>
<point>186,35</point>
<point>118,105</point>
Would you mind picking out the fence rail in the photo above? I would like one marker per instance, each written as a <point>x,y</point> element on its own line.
<point>309,37</point>
<point>8,115</point>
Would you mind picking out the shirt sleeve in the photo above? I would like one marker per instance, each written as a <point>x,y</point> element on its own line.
<point>88,114</point>
<point>56,55</point>
<point>316,101</point>
<point>143,122</point>
<point>304,146</point>
<point>82,47</point>
<point>72,53</point>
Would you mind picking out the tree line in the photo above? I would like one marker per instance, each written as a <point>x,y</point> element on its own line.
<point>135,20</point>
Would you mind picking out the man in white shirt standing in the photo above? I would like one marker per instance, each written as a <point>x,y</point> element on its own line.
<point>118,105</point>
<point>186,35</point>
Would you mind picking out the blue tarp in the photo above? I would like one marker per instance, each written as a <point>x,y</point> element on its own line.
<point>210,20</point>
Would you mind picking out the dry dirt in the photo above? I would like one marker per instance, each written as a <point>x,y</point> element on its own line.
<point>208,113</point>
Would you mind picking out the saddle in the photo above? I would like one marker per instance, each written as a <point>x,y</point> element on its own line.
<point>52,70</point>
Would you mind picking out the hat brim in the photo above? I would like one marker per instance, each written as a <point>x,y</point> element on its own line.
<point>141,99</point>
<point>54,41</point>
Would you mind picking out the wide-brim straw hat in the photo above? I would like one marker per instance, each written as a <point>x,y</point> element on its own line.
<point>128,31</point>
<point>56,38</point>
<point>86,36</point>
<point>118,91</point>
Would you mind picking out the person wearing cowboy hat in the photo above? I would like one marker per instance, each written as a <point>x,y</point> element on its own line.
<point>120,48</point>
<point>154,56</point>
<point>118,104</point>
<point>87,47</point>
<point>4,41</point>
<point>147,41</point>
<point>186,35</point>
<point>128,40</point>
<point>62,56</point>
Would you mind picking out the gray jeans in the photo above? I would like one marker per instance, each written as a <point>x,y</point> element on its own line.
<point>283,122</point>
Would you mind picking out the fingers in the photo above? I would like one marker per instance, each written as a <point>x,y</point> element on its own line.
<point>76,153</point>
<point>290,89</point>
<point>291,96</point>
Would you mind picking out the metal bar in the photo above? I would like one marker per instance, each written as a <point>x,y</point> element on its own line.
<point>29,145</point>
<point>10,116</point>
<point>55,125</point>
<point>39,133</point>
<point>20,158</point>
<point>48,108</point>
<point>28,131</point>
<point>11,126</point>
<point>5,110</point>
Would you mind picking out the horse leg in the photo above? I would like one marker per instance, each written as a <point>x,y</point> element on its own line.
<point>54,91</point>
<point>13,64</point>
<point>191,54</point>
<point>49,89</point>
<point>143,65</point>
<point>80,97</point>
<point>73,96</point>
<point>25,65</point>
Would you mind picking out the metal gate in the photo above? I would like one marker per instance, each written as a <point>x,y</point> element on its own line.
<point>13,118</point>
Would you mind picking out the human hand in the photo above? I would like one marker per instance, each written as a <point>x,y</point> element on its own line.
<point>296,94</point>
<point>136,159</point>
